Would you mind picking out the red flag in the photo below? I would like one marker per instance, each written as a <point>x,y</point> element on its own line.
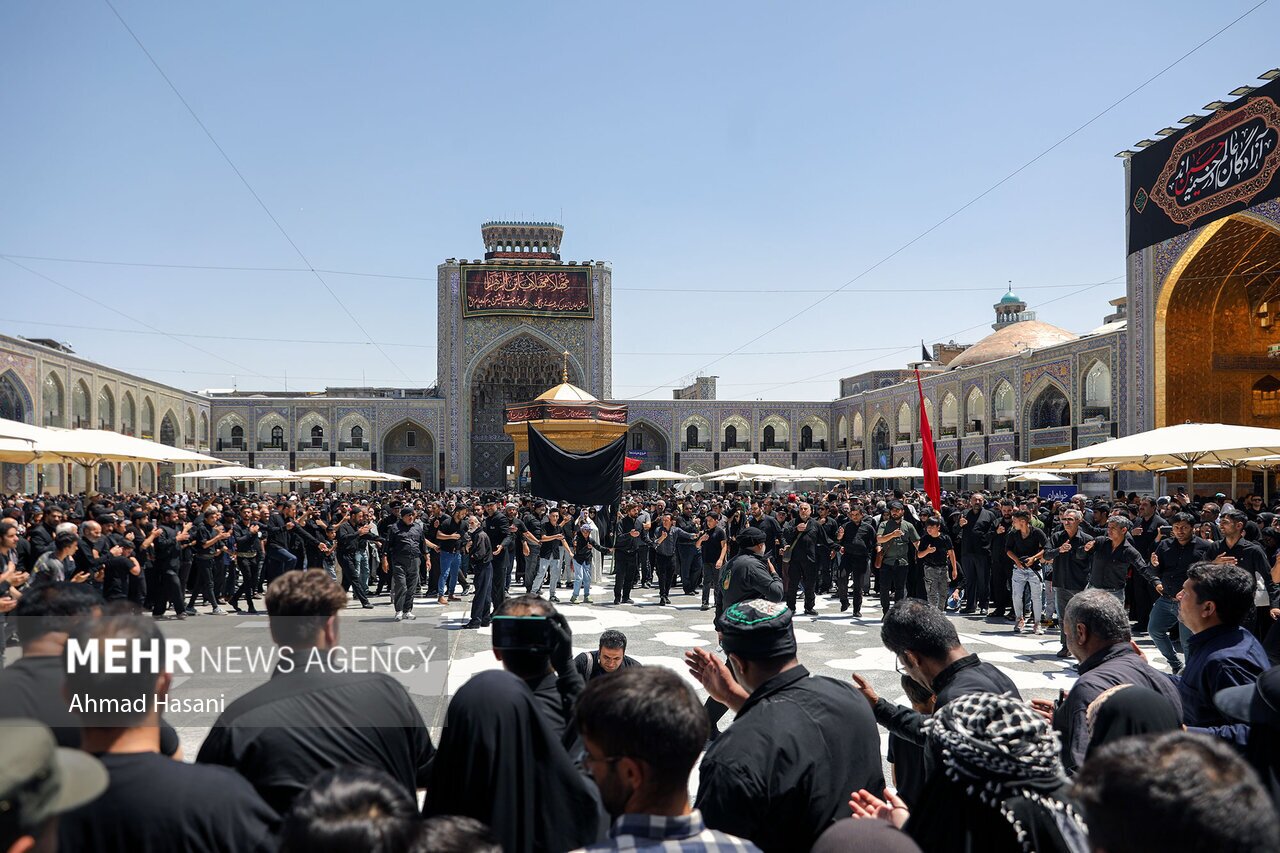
<point>929,459</point>
<point>630,465</point>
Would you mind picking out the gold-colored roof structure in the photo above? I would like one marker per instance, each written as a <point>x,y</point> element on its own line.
<point>566,392</point>
<point>1012,340</point>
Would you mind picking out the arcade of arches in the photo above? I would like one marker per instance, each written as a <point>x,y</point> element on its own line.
<point>409,450</point>
<point>516,372</point>
<point>1215,318</point>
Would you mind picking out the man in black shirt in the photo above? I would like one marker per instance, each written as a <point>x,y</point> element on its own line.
<point>976,527</point>
<point>185,806</point>
<point>629,532</point>
<point>714,545</point>
<point>1068,548</point>
<point>610,657</point>
<point>857,540</point>
<point>1113,557</point>
<point>938,558</point>
<point>806,540</point>
<point>406,544</point>
<point>309,718</point>
<point>1024,547</point>
<point>208,536</point>
<point>1169,563</point>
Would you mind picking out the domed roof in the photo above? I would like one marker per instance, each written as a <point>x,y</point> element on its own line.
<point>566,392</point>
<point>1009,298</point>
<point>1011,340</point>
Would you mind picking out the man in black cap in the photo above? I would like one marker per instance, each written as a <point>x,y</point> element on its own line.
<point>40,780</point>
<point>750,574</point>
<point>782,771</point>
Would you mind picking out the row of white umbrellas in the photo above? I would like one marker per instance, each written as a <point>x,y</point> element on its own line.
<point>26,444</point>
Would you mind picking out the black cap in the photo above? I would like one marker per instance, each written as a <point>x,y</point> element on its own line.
<point>407,509</point>
<point>757,629</point>
<point>1256,704</point>
<point>750,537</point>
<point>896,505</point>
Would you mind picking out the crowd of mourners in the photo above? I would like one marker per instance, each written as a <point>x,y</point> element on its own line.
<point>558,752</point>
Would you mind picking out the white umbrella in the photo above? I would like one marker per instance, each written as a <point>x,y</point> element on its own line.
<point>655,474</point>
<point>1181,445</point>
<point>335,473</point>
<point>823,473</point>
<point>17,440</point>
<point>236,473</point>
<point>752,471</point>
<point>93,447</point>
<point>999,468</point>
<point>1037,477</point>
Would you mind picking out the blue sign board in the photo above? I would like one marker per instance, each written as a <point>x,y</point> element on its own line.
<point>1057,491</point>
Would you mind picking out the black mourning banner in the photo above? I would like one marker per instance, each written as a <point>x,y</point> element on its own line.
<point>1218,166</point>
<point>579,478</point>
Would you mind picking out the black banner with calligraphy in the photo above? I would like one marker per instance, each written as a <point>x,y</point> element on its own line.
<point>1218,166</point>
<point>542,291</point>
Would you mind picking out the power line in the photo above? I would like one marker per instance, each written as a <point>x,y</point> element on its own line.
<point>973,200</point>
<point>249,186</point>
<point>115,310</point>
<point>716,290</point>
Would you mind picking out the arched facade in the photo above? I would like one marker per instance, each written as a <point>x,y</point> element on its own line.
<point>81,405</point>
<point>1002,408</point>
<point>354,432</point>
<point>695,433</point>
<point>15,399</point>
<point>230,433</point>
<point>313,433</point>
<point>273,432</point>
<point>816,436</point>
<point>881,444</point>
<point>949,420</point>
<point>842,432</point>
<point>1048,408</point>
<point>1096,391</point>
<point>148,419</point>
<point>189,428</point>
<point>53,397</point>
<point>975,412</point>
<point>856,435</point>
<point>169,430</point>
<point>735,433</point>
<point>646,442</point>
<point>128,414</point>
<point>906,424</point>
<point>106,408</point>
<point>410,444</point>
<point>1214,323</point>
<point>775,433</point>
<point>515,368</point>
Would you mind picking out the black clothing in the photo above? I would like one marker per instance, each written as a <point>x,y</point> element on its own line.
<point>1070,570</point>
<point>588,665</point>
<point>1111,565</point>
<point>1250,557</point>
<point>1025,546</point>
<point>1175,558</point>
<point>747,576</point>
<point>975,535</point>
<point>909,768</point>
<point>1118,664</point>
<point>282,733</point>
<point>1135,710</point>
<point>941,544</point>
<point>556,695</point>
<point>501,764</point>
<point>154,804</point>
<point>965,676</point>
<point>406,540</point>
<point>768,525</point>
<point>783,771</point>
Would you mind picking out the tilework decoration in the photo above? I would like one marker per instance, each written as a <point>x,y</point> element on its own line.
<point>664,417</point>
<point>455,377</point>
<point>1059,370</point>
<point>597,351</point>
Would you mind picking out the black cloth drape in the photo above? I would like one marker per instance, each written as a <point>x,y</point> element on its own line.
<point>578,478</point>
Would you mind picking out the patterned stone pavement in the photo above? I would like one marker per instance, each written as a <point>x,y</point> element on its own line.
<point>830,643</point>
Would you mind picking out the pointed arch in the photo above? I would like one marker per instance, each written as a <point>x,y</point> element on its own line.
<point>128,414</point>
<point>881,443</point>
<point>735,433</point>
<point>648,438</point>
<point>695,433</point>
<point>204,430</point>
<point>354,432</point>
<point>15,398</point>
<point>949,417</point>
<point>1049,406</point>
<point>189,427</point>
<point>775,433</point>
<point>53,399</point>
<point>230,432</point>
<point>106,408</point>
<point>975,412</point>
<point>169,433</point>
<point>1002,407</point>
<point>81,405</point>
<point>857,434</point>
<point>906,424</point>
<point>313,432</point>
<point>842,432</point>
<point>148,418</point>
<point>273,432</point>
<point>1096,391</point>
<point>816,438</point>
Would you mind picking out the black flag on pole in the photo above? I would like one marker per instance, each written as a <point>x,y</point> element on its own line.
<point>579,478</point>
<point>925,355</point>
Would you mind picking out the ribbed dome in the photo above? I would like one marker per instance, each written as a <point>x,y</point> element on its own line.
<point>1009,298</point>
<point>1011,340</point>
<point>566,393</point>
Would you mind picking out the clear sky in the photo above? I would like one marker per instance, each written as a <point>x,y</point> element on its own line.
<point>728,159</point>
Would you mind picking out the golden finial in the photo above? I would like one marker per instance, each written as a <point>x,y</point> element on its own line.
<point>564,373</point>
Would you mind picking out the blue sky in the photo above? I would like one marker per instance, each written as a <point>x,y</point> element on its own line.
<point>723,157</point>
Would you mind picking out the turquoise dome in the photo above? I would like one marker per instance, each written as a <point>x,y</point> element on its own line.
<point>1009,298</point>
